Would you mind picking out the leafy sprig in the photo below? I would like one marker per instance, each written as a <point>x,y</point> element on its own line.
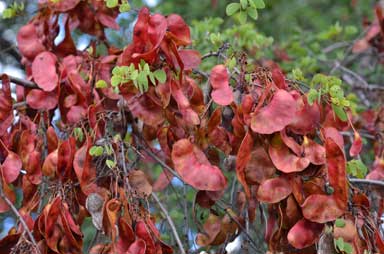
<point>140,76</point>
<point>245,8</point>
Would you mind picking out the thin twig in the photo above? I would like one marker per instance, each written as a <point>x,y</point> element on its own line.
<point>336,45</point>
<point>19,105</point>
<point>22,82</point>
<point>170,221</point>
<point>365,135</point>
<point>367,181</point>
<point>253,243</point>
<point>186,222</point>
<point>161,162</point>
<point>19,217</point>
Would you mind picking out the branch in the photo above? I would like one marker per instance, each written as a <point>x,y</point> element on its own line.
<point>244,230</point>
<point>22,82</point>
<point>162,163</point>
<point>336,45</point>
<point>367,181</point>
<point>170,221</point>
<point>365,135</point>
<point>19,217</point>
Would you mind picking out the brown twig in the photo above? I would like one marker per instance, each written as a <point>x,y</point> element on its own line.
<point>170,222</point>
<point>161,162</point>
<point>186,222</point>
<point>367,181</point>
<point>244,230</point>
<point>22,82</point>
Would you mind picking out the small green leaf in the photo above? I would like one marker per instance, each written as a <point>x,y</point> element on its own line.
<point>298,74</point>
<point>357,168</point>
<point>152,78</point>
<point>252,13</point>
<point>312,96</point>
<point>115,81</point>
<point>259,4</point>
<point>336,92</point>
<point>112,3</point>
<point>348,248</point>
<point>110,163</point>
<point>242,17</point>
<point>339,111</point>
<point>126,7</point>
<point>346,103</point>
<point>134,74</point>
<point>108,149</point>
<point>78,133</point>
<point>9,13</point>
<point>231,63</point>
<point>351,30</point>
<point>142,81</point>
<point>116,71</point>
<point>127,138</point>
<point>232,8</point>
<point>101,84</point>
<point>21,7</point>
<point>244,4</point>
<point>146,68</point>
<point>160,75</point>
<point>340,223</point>
<point>96,151</point>
<point>340,243</point>
<point>117,138</point>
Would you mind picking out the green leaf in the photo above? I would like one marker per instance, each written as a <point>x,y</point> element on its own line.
<point>112,3</point>
<point>160,75</point>
<point>96,151</point>
<point>134,74</point>
<point>116,71</point>
<point>298,74</point>
<point>340,243</point>
<point>340,223</point>
<point>115,80</point>
<point>21,7</point>
<point>357,168</point>
<point>232,8</point>
<point>108,149</point>
<point>252,13</point>
<point>146,68</point>
<point>142,80</point>
<point>101,84</point>
<point>346,103</point>
<point>340,113</point>
<point>126,7</point>
<point>336,92</point>
<point>312,96</point>
<point>348,248</point>
<point>244,4</point>
<point>152,78</point>
<point>78,133</point>
<point>259,4</point>
<point>231,63</point>
<point>9,13</point>
<point>351,30</point>
<point>127,138</point>
<point>243,17</point>
<point>110,163</point>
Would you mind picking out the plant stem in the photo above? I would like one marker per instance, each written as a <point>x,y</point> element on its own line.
<point>170,222</point>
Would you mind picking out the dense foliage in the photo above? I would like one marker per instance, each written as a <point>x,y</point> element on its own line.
<point>215,131</point>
